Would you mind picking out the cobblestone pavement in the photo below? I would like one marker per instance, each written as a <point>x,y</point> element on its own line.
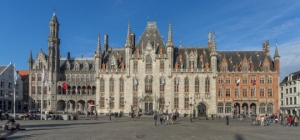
<point>143,128</point>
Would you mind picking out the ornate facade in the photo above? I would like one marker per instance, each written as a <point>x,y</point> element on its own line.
<point>143,76</point>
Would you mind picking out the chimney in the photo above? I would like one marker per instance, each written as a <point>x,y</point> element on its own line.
<point>69,56</point>
<point>105,43</point>
<point>132,37</point>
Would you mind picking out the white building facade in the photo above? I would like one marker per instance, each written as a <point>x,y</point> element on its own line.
<point>8,88</point>
<point>290,93</point>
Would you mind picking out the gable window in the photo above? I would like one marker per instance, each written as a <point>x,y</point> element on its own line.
<point>266,67</point>
<point>224,68</point>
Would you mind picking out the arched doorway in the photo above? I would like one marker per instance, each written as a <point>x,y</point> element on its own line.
<point>237,107</point>
<point>202,110</point>
<point>253,109</point>
<point>245,108</point>
<point>148,105</point>
<point>61,105</point>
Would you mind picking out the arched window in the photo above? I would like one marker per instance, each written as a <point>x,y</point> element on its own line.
<point>102,100</point>
<point>87,78</point>
<point>102,85</point>
<point>262,108</point>
<point>162,83</point>
<point>270,108</point>
<point>207,87</point>
<point>111,85</point>
<point>77,78</point>
<point>148,63</point>
<point>228,108</point>
<point>92,78</point>
<point>121,85</point>
<point>186,84</point>
<point>197,87</point>
<point>148,84</point>
<point>73,78</point>
<point>220,108</point>
<point>82,78</point>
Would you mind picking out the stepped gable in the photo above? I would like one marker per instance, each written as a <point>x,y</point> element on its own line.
<point>114,55</point>
<point>187,52</point>
<point>255,59</point>
<point>151,35</point>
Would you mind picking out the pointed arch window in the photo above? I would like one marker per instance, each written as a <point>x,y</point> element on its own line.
<point>111,85</point>
<point>102,100</point>
<point>186,84</point>
<point>82,78</point>
<point>220,108</point>
<point>39,77</point>
<point>135,66</point>
<point>197,85</point>
<point>262,109</point>
<point>228,108</point>
<point>176,84</point>
<point>207,87</point>
<point>77,78</point>
<point>102,85</point>
<point>121,85</point>
<point>148,84</point>
<point>148,64</point>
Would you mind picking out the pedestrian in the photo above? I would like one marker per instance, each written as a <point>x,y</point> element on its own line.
<point>296,120</point>
<point>155,118</point>
<point>227,119</point>
<point>161,119</point>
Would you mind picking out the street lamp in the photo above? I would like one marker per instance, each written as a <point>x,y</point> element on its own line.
<point>109,107</point>
<point>191,105</point>
<point>14,102</point>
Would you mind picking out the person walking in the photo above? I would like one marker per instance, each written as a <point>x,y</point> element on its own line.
<point>296,120</point>
<point>227,120</point>
<point>155,118</point>
<point>161,119</point>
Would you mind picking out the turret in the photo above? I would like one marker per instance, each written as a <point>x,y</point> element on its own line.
<point>98,57</point>
<point>128,50</point>
<point>170,49</point>
<point>213,52</point>
<point>30,61</point>
<point>106,43</point>
<point>277,60</point>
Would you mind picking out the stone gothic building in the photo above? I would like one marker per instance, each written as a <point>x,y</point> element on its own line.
<point>142,76</point>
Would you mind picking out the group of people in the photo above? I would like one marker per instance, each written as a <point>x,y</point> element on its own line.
<point>165,118</point>
<point>292,120</point>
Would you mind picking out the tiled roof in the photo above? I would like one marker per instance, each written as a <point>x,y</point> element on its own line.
<point>2,68</point>
<point>293,76</point>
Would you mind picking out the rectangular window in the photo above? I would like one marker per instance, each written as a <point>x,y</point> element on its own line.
<point>33,90</point>
<point>2,85</point>
<point>253,80</point>
<point>227,80</point>
<point>135,66</point>
<point>270,80</point>
<point>281,95</point>
<point>262,92</point>
<point>9,85</point>
<point>270,93</point>
<point>220,92</point>
<point>33,78</point>
<point>227,92</point>
<point>287,101</point>
<point>176,88</point>
<point>162,88</point>
<point>281,103</point>
<point>220,80</point>
<point>135,101</point>
<point>186,102</point>
<point>39,90</point>
<point>245,80</point>
<point>162,66</point>
<point>262,80</point>
<point>286,91</point>
<point>295,100</point>
<point>186,88</point>
<point>121,104</point>
<point>197,88</point>
<point>236,91</point>
<point>252,92</point>
<point>290,90</point>
<point>135,88</point>
<point>102,101</point>
<point>245,95</point>
<point>295,90</point>
<point>291,100</point>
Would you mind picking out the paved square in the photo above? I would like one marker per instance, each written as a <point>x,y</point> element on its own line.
<point>143,128</point>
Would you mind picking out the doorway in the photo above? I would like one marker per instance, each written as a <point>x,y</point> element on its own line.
<point>201,110</point>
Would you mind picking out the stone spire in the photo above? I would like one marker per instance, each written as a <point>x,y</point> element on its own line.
<point>170,37</point>
<point>54,17</point>
<point>128,42</point>
<point>30,56</point>
<point>99,44</point>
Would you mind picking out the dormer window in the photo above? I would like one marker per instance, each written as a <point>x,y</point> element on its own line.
<point>224,68</point>
<point>112,63</point>
<point>266,67</point>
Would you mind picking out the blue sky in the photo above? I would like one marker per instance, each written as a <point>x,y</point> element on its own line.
<point>239,25</point>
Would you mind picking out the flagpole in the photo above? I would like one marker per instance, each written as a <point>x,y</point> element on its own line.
<point>15,100</point>
<point>42,96</point>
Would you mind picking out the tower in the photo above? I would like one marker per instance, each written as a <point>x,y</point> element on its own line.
<point>277,60</point>
<point>213,52</point>
<point>53,61</point>
<point>170,49</point>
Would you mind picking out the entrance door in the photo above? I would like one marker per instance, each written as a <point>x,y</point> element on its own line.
<point>148,105</point>
<point>202,110</point>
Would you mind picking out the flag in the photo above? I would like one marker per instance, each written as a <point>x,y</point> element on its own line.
<point>254,82</point>
<point>64,86</point>
<point>238,82</point>
<point>135,81</point>
<point>177,80</point>
<point>44,77</point>
<point>16,76</point>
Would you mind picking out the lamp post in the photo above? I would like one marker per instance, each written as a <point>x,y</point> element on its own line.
<point>191,113</point>
<point>109,107</point>
<point>13,101</point>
